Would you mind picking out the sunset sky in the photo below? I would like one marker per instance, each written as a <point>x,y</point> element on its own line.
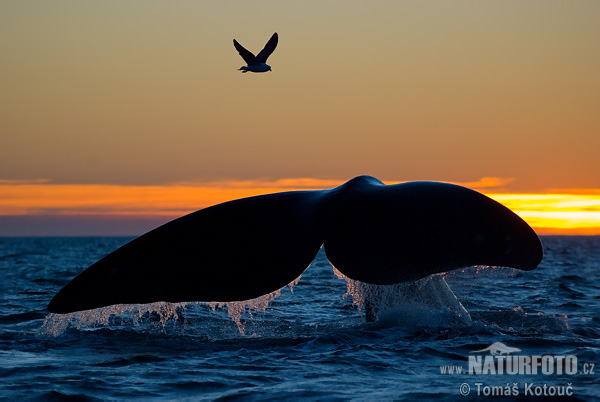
<point>116,116</point>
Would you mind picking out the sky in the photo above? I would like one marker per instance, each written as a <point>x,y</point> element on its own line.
<point>116,116</point>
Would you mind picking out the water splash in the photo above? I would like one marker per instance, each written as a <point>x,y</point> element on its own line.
<point>237,309</point>
<point>56,324</point>
<point>521,321</point>
<point>428,301</point>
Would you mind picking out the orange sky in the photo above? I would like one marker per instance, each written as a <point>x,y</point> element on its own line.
<point>107,107</point>
<point>551,213</point>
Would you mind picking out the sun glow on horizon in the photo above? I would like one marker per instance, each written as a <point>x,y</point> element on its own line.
<point>576,212</point>
<point>556,213</point>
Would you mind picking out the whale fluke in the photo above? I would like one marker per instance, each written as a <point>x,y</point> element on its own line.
<point>234,251</point>
<point>246,248</point>
<point>386,234</point>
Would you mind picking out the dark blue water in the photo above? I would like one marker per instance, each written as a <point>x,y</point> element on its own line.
<point>313,343</point>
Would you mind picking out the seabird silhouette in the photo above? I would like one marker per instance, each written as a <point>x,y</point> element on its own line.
<point>257,64</point>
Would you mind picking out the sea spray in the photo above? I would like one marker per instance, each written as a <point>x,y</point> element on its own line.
<point>237,309</point>
<point>56,324</point>
<point>427,301</point>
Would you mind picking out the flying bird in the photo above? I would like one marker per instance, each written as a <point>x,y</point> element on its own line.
<point>258,63</point>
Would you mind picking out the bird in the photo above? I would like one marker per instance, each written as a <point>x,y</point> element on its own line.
<point>258,63</point>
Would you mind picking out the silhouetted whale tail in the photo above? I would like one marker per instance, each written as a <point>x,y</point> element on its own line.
<point>246,248</point>
<point>386,234</point>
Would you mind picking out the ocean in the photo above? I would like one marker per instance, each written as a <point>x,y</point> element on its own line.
<point>498,331</point>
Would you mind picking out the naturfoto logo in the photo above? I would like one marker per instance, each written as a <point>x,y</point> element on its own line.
<point>503,360</point>
<point>498,348</point>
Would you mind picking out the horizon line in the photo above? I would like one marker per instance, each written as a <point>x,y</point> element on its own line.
<point>568,211</point>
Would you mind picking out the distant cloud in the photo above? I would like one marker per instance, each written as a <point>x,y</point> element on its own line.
<point>298,183</point>
<point>483,183</point>
<point>22,182</point>
<point>38,197</point>
<point>488,182</point>
<point>557,213</point>
<point>562,211</point>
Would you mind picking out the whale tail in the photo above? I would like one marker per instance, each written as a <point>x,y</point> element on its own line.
<point>389,234</point>
<point>247,248</point>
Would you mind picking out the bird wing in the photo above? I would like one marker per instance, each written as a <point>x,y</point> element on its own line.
<point>247,55</point>
<point>269,48</point>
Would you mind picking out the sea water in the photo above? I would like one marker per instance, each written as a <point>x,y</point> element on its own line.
<point>309,341</point>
